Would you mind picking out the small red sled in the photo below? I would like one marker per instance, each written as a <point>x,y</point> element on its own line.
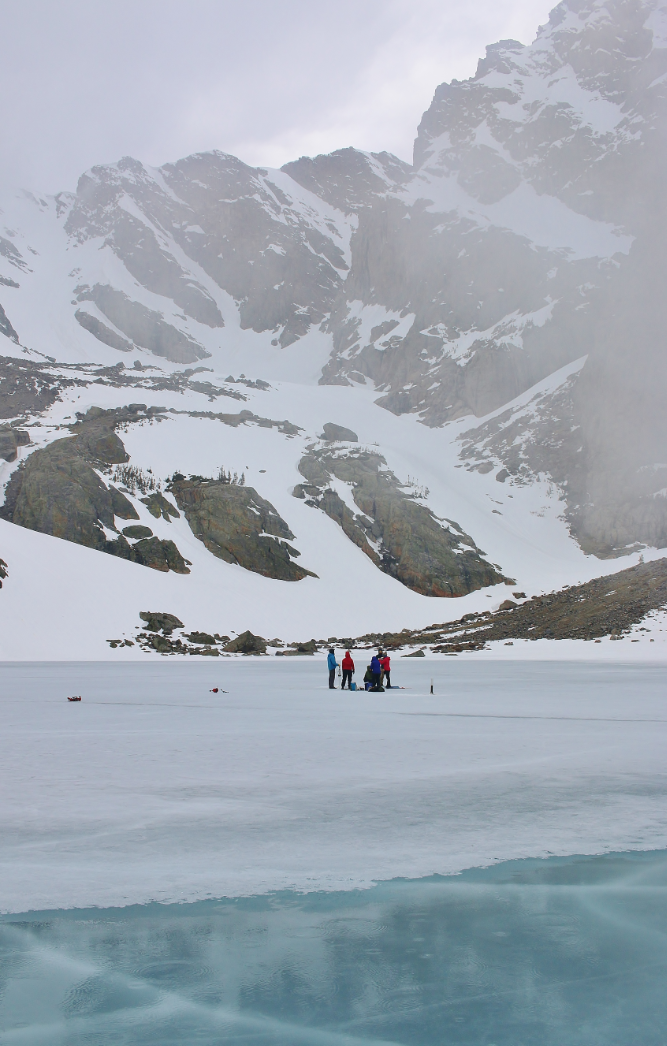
<point>73,698</point>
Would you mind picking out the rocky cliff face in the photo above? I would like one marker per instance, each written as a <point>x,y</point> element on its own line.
<point>531,233</point>
<point>207,224</point>
<point>386,521</point>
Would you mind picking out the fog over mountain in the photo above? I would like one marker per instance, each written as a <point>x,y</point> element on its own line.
<point>488,323</point>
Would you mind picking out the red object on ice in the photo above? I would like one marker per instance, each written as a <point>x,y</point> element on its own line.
<point>73,698</point>
<point>214,690</point>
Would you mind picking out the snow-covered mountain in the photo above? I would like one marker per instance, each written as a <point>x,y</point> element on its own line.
<point>484,330</point>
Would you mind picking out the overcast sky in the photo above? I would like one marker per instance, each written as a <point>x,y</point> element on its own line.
<point>88,81</point>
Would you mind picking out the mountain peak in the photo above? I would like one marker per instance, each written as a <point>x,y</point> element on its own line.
<point>497,58</point>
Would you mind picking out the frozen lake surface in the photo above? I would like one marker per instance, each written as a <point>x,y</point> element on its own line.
<point>559,952</point>
<point>154,788</point>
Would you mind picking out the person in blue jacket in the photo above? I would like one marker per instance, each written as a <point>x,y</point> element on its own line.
<point>332,665</point>
<point>376,669</point>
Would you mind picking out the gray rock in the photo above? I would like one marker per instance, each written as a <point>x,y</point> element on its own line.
<point>141,325</point>
<point>6,327</point>
<point>135,533</point>
<point>238,526</point>
<point>160,622</point>
<point>246,643</point>
<point>398,534</point>
<point>349,179</point>
<point>10,441</point>
<point>103,333</point>
<point>333,432</point>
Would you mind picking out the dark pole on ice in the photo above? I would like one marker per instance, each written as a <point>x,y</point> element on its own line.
<point>431,686</point>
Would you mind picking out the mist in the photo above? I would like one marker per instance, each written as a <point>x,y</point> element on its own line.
<point>84,84</point>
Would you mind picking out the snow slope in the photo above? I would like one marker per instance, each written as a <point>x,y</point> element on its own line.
<point>64,601</point>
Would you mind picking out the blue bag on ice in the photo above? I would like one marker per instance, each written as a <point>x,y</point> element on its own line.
<point>353,686</point>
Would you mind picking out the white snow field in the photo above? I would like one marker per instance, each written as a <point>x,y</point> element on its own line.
<point>155,788</point>
<point>63,601</point>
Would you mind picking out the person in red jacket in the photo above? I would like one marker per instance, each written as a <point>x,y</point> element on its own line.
<point>384,661</point>
<point>347,665</point>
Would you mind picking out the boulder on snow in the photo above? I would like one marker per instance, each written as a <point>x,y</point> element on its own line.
<point>246,643</point>
<point>332,432</point>
<point>160,622</point>
<point>159,554</point>
<point>201,637</point>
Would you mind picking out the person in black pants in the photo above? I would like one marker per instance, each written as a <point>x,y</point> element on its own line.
<point>348,670</point>
<point>385,664</point>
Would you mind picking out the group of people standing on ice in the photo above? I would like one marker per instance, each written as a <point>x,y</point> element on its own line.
<point>377,677</point>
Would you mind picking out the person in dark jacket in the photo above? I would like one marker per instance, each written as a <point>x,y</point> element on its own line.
<point>348,670</point>
<point>368,678</point>
<point>332,665</point>
<point>376,669</point>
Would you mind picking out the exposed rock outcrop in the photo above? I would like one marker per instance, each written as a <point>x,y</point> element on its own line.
<point>158,637</point>
<point>136,532</point>
<point>158,506</point>
<point>239,526</point>
<point>6,327</point>
<point>10,441</point>
<point>607,606</point>
<point>26,389</point>
<point>102,332</point>
<point>141,325</point>
<point>246,643</point>
<point>244,417</point>
<point>158,553</point>
<point>402,537</point>
<point>158,621</point>
<point>202,638</point>
<point>332,432</point>
<point>57,491</point>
